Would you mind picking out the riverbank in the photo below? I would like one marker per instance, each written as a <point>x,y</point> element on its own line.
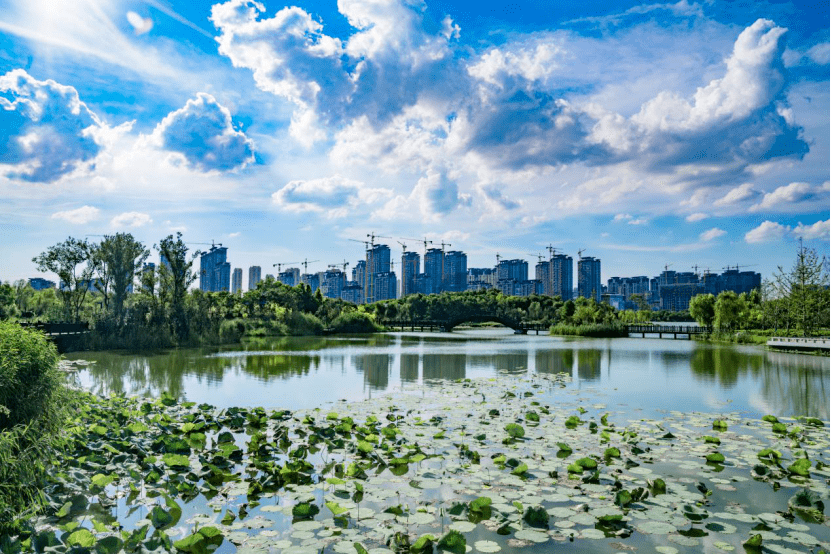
<point>482,463</point>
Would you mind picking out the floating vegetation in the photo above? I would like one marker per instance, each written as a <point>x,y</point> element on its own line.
<point>440,470</point>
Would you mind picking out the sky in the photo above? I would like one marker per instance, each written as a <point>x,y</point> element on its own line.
<point>686,135</point>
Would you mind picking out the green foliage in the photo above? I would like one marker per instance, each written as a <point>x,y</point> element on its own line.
<point>116,260</point>
<point>703,309</point>
<point>453,541</point>
<point>71,261</point>
<point>594,330</point>
<point>355,322</point>
<point>33,404</point>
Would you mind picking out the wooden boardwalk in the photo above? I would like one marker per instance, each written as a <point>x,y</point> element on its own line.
<point>677,331</point>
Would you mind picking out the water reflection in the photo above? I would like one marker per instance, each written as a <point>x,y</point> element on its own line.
<point>660,374</point>
<point>375,369</point>
<point>445,366</point>
<point>554,361</point>
<point>409,368</point>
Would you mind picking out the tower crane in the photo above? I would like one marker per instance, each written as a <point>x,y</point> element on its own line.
<point>737,266</point>
<point>279,265</point>
<point>580,253</point>
<point>306,263</point>
<point>373,236</point>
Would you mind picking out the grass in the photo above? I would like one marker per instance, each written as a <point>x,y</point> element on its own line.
<point>595,330</point>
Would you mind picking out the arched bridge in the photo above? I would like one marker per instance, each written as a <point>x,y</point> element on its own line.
<point>449,323</point>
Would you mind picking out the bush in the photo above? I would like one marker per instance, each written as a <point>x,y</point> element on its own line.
<point>33,407</point>
<point>355,322</point>
<point>594,330</point>
<point>28,374</point>
<point>301,323</point>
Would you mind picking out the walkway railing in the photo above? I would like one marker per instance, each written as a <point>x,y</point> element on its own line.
<point>675,330</point>
<point>800,343</point>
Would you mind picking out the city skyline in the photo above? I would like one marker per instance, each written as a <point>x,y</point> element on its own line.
<point>649,135</point>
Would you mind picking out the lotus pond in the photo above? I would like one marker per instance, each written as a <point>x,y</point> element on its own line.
<point>506,461</point>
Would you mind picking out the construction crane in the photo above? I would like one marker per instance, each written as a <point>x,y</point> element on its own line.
<point>279,265</point>
<point>580,253</point>
<point>552,250</point>
<point>540,257</point>
<point>737,266</point>
<point>373,236</point>
<point>306,263</point>
<point>403,246</point>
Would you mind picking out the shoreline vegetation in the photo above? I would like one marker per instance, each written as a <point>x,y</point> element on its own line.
<point>163,312</point>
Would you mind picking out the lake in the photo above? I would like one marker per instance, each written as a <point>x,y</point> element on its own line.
<point>649,375</point>
<point>579,445</point>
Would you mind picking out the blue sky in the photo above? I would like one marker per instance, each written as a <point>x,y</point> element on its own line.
<point>648,134</point>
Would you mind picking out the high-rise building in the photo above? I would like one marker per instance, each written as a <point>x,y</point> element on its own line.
<point>455,271</point>
<point>509,273</point>
<point>433,270</point>
<point>214,270</point>
<point>410,268</point>
<point>290,277</point>
<point>588,278</point>
<point>236,281</point>
<point>353,292</point>
<point>377,263</point>
<point>561,274</point>
<point>481,278</point>
<point>332,283</point>
<point>39,283</point>
<point>542,273</point>
<point>359,277</point>
<point>254,276</point>
<point>311,279</point>
<point>385,286</point>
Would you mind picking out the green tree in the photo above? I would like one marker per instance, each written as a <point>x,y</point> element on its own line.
<point>8,307</point>
<point>116,260</point>
<point>728,309</point>
<point>175,276</point>
<point>703,309</point>
<point>805,290</point>
<point>70,260</point>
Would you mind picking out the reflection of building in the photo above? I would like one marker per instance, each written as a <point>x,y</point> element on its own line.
<point>375,368</point>
<point>409,368</point>
<point>254,276</point>
<point>588,365</point>
<point>444,366</point>
<point>214,270</point>
<point>588,278</point>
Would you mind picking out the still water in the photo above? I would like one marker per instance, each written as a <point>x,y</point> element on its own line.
<point>647,376</point>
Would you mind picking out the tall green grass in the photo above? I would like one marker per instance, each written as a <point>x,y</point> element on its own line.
<point>34,403</point>
<point>595,330</point>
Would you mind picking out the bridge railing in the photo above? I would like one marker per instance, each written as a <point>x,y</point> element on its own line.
<point>679,329</point>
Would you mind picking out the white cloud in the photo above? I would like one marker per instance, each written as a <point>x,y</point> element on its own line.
<point>712,234</point>
<point>336,195</point>
<point>140,24</point>
<point>698,216</point>
<point>766,232</point>
<point>819,53</point>
<point>739,194</point>
<point>202,133</point>
<point>48,132</point>
<point>639,221</point>
<point>78,216</point>
<point>131,219</point>
<point>622,217</point>
<point>817,231</point>
<point>792,197</point>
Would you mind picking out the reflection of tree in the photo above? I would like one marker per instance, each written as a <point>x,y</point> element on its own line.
<point>409,368</point>
<point>445,366</point>
<point>511,363</point>
<point>554,361</point>
<point>796,384</point>
<point>719,365</point>
<point>588,365</point>
<point>267,367</point>
<point>376,369</point>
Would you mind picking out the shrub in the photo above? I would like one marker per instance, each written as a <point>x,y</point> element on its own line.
<point>33,407</point>
<point>28,374</point>
<point>301,323</point>
<point>355,322</point>
<point>594,330</point>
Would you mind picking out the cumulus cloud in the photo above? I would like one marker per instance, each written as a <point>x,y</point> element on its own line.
<point>131,219</point>
<point>78,216</point>
<point>739,194</point>
<point>202,133</point>
<point>333,195</point>
<point>794,196</point>
<point>47,131</point>
<point>698,216</point>
<point>770,231</point>
<point>712,234</point>
<point>817,231</point>
<point>139,23</point>
<point>496,199</point>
